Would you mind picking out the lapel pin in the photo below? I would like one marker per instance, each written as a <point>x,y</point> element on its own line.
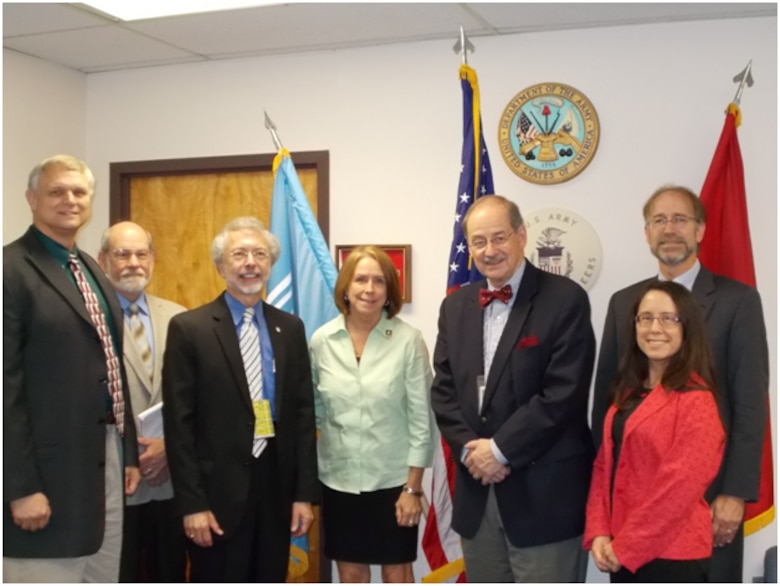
<point>278,330</point>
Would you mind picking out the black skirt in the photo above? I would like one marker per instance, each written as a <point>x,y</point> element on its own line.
<point>361,528</point>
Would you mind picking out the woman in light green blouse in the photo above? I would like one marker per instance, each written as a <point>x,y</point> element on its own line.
<point>372,379</point>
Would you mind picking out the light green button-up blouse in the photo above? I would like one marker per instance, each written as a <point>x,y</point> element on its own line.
<point>374,418</point>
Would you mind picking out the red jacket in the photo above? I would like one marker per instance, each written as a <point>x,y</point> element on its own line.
<point>672,448</point>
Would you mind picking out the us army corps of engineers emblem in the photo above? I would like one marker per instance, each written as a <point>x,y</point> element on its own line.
<point>563,243</point>
<point>548,133</point>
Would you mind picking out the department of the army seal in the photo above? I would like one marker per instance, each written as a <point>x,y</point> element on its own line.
<point>548,133</point>
<point>563,243</point>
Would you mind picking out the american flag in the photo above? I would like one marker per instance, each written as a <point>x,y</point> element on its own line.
<point>526,131</point>
<point>476,180</point>
<point>440,543</point>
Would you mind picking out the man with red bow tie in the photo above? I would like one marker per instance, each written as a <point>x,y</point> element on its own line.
<point>513,361</point>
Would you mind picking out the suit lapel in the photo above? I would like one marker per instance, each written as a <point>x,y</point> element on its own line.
<point>277,334</point>
<point>159,334</point>
<point>514,325</point>
<point>52,272</point>
<point>703,289</point>
<point>227,337</point>
<point>657,398</point>
<point>473,344</point>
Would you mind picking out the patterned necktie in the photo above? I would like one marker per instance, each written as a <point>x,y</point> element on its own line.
<point>249,341</point>
<point>504,294</point>
<point>138,332</point>
<point>99,319</point>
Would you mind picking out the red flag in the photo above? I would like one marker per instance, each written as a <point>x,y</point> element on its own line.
<point>726,250</point>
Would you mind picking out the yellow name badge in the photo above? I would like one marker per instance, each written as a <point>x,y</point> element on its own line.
<point>264,423</point>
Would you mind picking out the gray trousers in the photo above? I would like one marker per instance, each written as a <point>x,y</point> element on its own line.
<point>102,566</point>
<point>489,557</point>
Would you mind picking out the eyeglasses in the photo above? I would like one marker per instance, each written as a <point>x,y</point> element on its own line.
<point>481,243</point>
<point>123,255</point>
<point>678,221</point>
<point>666,320</point>
<point>240,255</point>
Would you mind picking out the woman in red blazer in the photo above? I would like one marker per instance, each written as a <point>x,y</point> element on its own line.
<point>647,520</point>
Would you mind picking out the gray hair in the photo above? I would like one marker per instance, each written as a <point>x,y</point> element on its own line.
<point>67,161</point>
<point>243,223</point>
<point>105,238</point>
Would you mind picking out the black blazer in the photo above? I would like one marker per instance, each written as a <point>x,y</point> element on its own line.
<point>208,417</point>
<point>54,403</point>
<point>735,322</point>
<point>535,406</point>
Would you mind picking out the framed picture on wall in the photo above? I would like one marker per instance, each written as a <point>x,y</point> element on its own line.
<point>400,254</point>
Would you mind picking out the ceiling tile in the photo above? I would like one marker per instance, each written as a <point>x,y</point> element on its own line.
<point>519,17</point>
<point>88,48</point>
<point>300,26</point>
<point>27,18</point>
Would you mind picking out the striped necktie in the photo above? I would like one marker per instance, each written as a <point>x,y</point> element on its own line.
<point>99,319</point>
<point>249,341</point>
<point>141,339</point>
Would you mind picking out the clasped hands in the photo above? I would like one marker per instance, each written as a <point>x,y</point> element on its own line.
<point>482,464</point>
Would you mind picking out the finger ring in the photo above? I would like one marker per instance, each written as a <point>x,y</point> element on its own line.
<point>191,536</point>
<point>411,522</point>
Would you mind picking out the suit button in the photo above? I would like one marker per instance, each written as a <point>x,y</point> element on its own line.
<point>101,464</point>
<point>250,424</point>
<point>102,421</point>
<point>483,419</point>
<point>103,381</point>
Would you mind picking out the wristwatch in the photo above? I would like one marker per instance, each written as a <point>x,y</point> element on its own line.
<point>410,490</point>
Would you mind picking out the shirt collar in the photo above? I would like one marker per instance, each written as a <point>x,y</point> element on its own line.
<point>339,324</point>
<point>688,278</point>
<point>54,248</point>
<point>141,302</point>
<point>237,310</point>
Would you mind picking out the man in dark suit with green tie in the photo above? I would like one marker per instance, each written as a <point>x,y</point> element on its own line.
<point>69,442</point>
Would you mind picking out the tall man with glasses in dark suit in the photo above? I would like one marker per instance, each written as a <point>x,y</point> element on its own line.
<point>675,221</point>
<point>69,442</point>
<point>238,408</point>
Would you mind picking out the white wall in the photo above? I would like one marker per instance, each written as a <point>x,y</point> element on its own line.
<point>44,113</point>
<point>391,118</point>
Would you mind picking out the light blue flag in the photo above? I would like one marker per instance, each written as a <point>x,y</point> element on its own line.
<point>301,281</point>
<point>303,277</point>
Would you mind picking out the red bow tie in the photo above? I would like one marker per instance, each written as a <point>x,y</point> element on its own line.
<point>504,294</point>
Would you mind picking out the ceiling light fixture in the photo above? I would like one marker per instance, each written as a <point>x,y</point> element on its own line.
<point>124,10</point>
